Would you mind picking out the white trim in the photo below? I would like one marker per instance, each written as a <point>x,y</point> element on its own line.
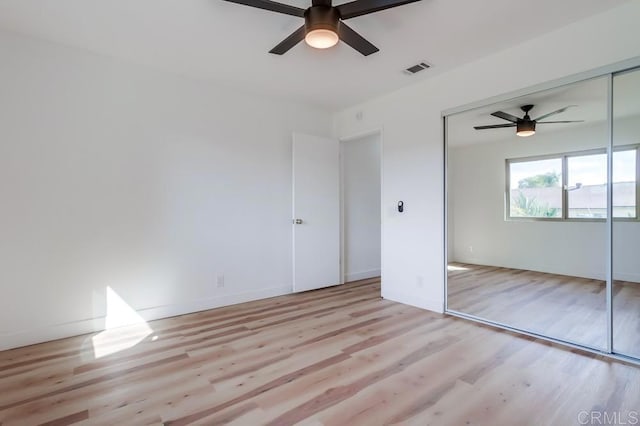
<point>93,325</point>
<point>355,276</point>
<point>360,135</point>
<point>623,276</point>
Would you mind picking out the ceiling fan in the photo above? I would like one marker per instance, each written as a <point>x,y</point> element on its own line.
<point>323,23</point>
<point>526,126</point>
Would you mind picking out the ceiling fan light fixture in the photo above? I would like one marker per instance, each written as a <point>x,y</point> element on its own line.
<point>321,38</point>
<point>321,27</point>
<point>526,128</point>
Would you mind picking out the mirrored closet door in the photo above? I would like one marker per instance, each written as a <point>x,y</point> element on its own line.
<point>527,211</point>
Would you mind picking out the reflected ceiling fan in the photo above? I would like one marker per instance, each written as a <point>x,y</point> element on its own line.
<point>323,23</point>
<point>526,126</point>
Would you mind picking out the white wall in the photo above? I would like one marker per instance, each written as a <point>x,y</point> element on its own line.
<point>477,210</point>
<point>361,207</point>
<point>118,175</point>
<point>413,250</point>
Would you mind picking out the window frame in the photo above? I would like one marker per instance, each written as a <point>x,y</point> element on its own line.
<point>563,157</point>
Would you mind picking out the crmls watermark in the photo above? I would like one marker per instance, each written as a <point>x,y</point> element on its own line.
<point>608,418</point>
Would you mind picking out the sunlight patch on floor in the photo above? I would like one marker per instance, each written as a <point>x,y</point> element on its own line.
<point>124,327</point>
<point>456,268</point>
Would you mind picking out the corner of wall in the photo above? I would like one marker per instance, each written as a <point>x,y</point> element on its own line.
<point>413,300</point>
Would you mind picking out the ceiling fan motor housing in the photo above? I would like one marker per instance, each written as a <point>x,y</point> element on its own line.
<point>321,18</point>
<point>526,125</point>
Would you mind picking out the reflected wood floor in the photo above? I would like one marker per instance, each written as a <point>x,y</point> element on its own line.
<point>337,356</point>
<point>565,307</point>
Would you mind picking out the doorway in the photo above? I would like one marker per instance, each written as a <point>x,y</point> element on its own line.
<point>361,188</point>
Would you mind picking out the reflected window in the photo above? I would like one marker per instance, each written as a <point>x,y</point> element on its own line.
<point>535,188</point>
<point>625,183</point>
<point>587,186</point>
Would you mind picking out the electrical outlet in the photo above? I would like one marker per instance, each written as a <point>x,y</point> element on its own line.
<point>420,281</point>
<point>470,249</point>
<point>220,280</point>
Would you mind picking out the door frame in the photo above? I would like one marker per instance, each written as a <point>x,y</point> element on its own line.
<point>379,131</point>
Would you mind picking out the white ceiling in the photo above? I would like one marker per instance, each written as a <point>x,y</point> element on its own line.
<point>229,43</point>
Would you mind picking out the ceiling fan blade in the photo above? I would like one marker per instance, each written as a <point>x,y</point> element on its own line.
<point>364,7</point>
<point>271,6</point>
<point>494,126</point>
<point>556,122</point>
<point>296,37</point>
<point>355,40</point>
<point>558,111</point>
<point>506,116</point>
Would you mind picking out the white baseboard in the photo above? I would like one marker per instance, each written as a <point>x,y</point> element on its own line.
<point>93,325</point>
<point>623,276</point>
<point>411,299</point>
<point>355,276</point>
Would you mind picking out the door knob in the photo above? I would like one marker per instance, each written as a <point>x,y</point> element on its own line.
<point>297,221</point>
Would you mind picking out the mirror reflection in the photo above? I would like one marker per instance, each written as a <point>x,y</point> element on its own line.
<point>626,228</point>
<point>527,208</point>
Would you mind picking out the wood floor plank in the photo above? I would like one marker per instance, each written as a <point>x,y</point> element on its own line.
<point>68,420</point>
<point>335,356</point>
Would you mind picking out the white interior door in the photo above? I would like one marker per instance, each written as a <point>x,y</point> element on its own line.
<point>316,212</point>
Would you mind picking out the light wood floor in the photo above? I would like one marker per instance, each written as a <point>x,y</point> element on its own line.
<point>338,356</point>
<point>565,307</point>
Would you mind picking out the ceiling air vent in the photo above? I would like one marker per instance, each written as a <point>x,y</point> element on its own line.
<point>417,68</point>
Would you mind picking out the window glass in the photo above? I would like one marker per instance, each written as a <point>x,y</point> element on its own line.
<point>624,183</point>
<point>536,188</point>
<point>587,186</point>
